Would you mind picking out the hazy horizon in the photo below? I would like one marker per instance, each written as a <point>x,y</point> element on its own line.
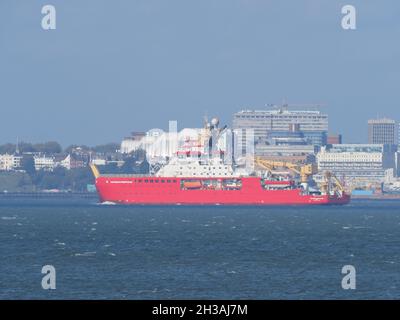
<point>112,67</point>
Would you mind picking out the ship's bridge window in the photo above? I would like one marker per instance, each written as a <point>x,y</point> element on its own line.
<point>162,181</point>
<point>156,181</point>
<point>140,180</point>
<point>168,181</point>
<point>151,181</point>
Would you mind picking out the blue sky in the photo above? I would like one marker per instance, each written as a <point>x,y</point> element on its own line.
<point>112,67</point>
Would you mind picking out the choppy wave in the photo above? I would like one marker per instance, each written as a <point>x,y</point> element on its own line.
<point>107,203</point>
<point>85,254</point>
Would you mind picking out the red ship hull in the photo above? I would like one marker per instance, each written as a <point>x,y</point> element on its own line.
<point>169,191</point>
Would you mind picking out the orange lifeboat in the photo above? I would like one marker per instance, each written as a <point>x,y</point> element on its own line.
<point>192,184</point>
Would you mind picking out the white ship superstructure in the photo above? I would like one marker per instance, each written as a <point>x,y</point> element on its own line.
<point>195,167</point>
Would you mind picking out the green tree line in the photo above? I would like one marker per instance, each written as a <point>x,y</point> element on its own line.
<point>77,179</point>
<point>53,147</point>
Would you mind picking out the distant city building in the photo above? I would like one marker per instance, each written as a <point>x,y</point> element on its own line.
<point>9,162</point>
<point>397,163</point>
<point>357,164</point>
<point>71,162</point>
<point>313,125</point>
<point>99,162</point>
<point>382,131</point>
<point>334,139</point>
<point>292,145</point>
<point>287,153</point>
<point>398,137</point>
<point>45,163</point>
<point>294,135</point>
<point>118,163</point>
<point>264,121</point>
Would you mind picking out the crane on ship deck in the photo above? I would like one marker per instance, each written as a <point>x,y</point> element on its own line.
<point>331,182</point>
<point>304,171</point>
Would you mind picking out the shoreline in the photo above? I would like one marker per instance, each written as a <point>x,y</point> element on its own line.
<point>377,197</point>
<point>62,195</point>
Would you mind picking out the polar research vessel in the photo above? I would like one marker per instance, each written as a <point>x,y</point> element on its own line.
<point>191,178</point>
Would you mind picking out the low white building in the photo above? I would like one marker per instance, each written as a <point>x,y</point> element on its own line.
<point>44,163</point>
<point>66,162</point>
<point>9,162</point>
<point>357,164</point>
<point>99,162</point>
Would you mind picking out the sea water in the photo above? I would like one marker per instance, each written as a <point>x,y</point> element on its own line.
<point>202,252</point>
